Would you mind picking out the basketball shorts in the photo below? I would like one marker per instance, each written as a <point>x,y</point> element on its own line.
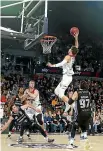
<point>63,85</point>
<point>83,119</point>
<point>40,108</point>
<point>40,119</point>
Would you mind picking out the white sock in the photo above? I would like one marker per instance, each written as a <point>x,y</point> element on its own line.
<point>67,107</point>
<point>27,133</point>
<point>71,141</point>
<point>21,137</point>
<point>82,134</point>
<point>46,138</point>
<point>85,134</point>
<point>9,133</point>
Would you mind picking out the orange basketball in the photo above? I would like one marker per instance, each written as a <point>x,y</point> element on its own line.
<point>74,30</point>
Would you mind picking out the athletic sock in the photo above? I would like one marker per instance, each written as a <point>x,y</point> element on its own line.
<point>9,133</point>
<point>46,138</point>
<point>20,137</point>
<point>67,107</point>
<point>85,134</point>
<point>82,134</point>
<point>27,133</point>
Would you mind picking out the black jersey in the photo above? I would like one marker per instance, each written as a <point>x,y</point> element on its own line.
<point>20,117</point>
<point>17,101</point>
<point>83,102</point>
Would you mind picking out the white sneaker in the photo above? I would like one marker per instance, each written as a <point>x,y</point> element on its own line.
<point>70,146</point>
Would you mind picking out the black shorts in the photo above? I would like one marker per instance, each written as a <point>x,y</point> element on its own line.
<point>83,118</point>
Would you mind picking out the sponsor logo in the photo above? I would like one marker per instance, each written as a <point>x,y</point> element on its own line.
<point>45,70</point>
<point>77,73</point>
<point>40,146</point>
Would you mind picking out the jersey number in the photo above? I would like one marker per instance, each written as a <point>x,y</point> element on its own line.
<point>84,103</point>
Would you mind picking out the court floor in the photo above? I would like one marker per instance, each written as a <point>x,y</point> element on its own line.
<point>95,143</point>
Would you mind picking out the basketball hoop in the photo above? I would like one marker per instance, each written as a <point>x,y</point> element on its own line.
<point>47,42</point>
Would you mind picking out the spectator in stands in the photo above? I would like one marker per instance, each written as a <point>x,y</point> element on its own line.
<point>56,124</point>
<point>47,122</point>
<point>97,126</point>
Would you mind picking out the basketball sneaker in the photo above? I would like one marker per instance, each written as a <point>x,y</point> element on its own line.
<point>28,136</point>
<point>71,146</point>
<point>20,140</point>
<point>9,135</point>
<point>50,140</point>
<point>83,138</point>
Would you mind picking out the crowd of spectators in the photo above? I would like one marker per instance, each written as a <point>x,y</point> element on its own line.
<point>89,58</point>
<point>53,107</point>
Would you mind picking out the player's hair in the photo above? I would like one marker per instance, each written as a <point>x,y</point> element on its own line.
<point>11,107</point>
<point>74,50</point>
<point>84,85</point>
<point>31,81</point>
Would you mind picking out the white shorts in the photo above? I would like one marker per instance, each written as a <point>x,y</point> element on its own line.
<point>40,108</point>
<point>63,85</point>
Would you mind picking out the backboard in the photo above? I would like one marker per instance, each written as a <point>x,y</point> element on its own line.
<point>34,21</point>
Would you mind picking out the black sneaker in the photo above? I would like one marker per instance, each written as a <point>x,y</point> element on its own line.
<point>20,140</point>
<point>74,146</point>
<point>50,140</point>
<point>9,135</point>
<point>28,136</point>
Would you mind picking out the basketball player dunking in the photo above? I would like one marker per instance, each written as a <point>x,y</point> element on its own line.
<point>67,65</point>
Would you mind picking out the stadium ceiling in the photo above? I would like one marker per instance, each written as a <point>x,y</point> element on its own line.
<point>86,15</point>
<point>14,17</point>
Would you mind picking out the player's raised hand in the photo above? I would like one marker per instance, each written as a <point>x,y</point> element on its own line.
<point>75,35</point>
<point>49,64</point>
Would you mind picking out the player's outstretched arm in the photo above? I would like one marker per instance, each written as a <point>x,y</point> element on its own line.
<point>66,59</point>
<point>76,40</point>
<point>6,124</point>
<point>74,98</point>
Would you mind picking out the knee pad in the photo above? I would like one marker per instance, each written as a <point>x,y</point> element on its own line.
<point>39,119</point>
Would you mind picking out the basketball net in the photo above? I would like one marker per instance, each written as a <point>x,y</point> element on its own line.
<point>47,42</point>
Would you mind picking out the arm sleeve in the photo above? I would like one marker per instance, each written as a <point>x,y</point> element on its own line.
<point>60,64</point>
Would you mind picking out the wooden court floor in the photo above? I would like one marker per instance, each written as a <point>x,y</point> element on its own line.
<point>95,143</point>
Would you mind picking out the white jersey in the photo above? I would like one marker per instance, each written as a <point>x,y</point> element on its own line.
<point>68,67</point>
<point>35,102</point>
<point>30,113</point>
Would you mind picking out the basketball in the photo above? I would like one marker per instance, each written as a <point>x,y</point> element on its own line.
<point>74,30</point>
